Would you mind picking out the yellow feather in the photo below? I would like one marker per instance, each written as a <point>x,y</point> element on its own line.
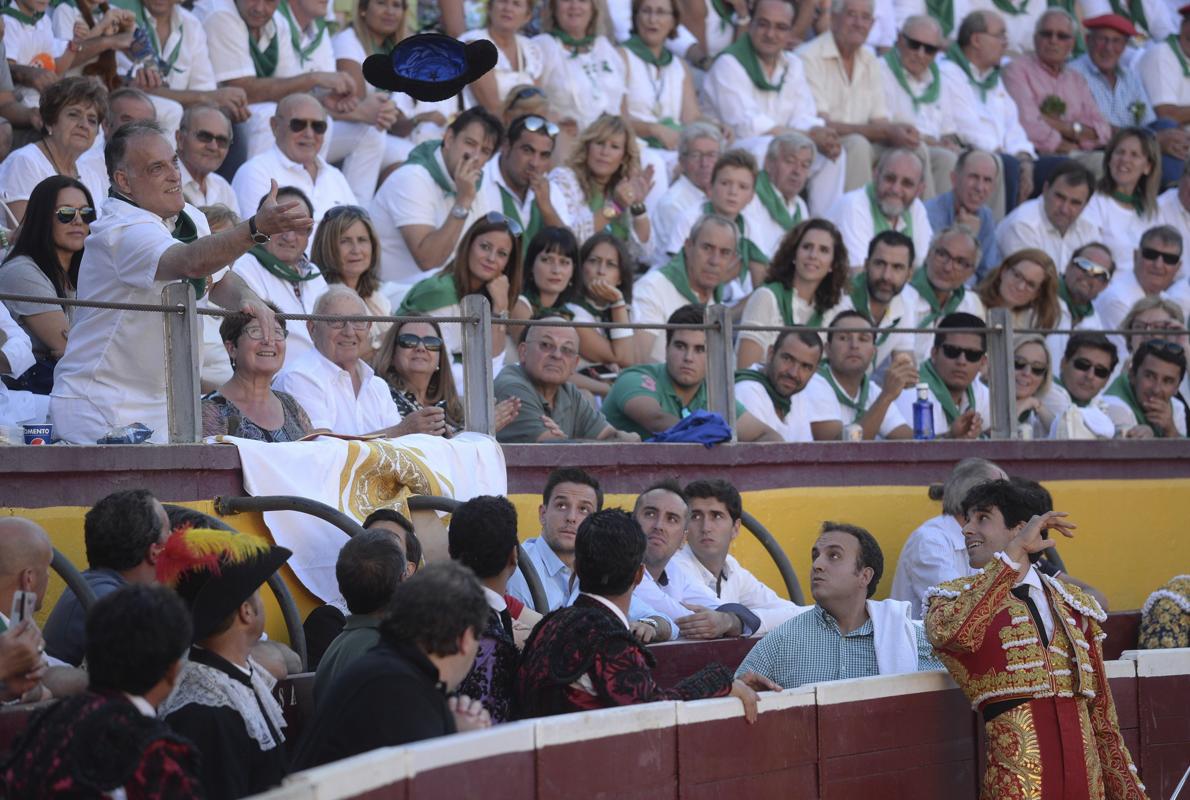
<point>235,547</point>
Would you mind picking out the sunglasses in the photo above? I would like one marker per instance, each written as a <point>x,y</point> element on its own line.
<point>1061,36</point>
<point>299,125</point>
<point>1021,364</point>
<point>953,352</point>
<point>1162,346</point>
<point>1152,254</point>
<point>914,44</point>
<point>206,137</point>
<point>535,124</point>
<point>410,341</point>
<point>1091,268</point>
<point>1084,364</point>
<point>67,214</point>
<point>526,93</point>
<point>496,218</point>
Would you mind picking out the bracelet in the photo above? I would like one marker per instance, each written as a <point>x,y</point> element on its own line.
<point>619,333</point>
<point>618,304</point>
<point>499,315</point>
<point>649,621</point>
<point>742,21</point>
<point>637,209</point>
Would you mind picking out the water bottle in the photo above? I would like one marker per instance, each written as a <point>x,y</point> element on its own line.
<point>923,413</point>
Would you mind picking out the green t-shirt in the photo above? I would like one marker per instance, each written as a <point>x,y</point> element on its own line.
<point>651,380</point>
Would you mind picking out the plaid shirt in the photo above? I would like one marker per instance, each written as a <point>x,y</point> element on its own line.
<point>810,648</point>
<point>1116,102</point>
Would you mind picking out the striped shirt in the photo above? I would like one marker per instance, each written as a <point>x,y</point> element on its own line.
<point>1116,102</point>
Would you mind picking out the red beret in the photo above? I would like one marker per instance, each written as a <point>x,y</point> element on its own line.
<point>1115,22</point>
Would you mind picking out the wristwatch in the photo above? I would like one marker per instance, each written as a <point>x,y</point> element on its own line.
<point>1078,129</point>
<point>459,212</point>
<point>257,236</point>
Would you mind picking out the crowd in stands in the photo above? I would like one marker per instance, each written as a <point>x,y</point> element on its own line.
<point>845,165</point>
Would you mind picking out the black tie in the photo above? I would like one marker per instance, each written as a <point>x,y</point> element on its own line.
<point>1022,593</point>
<point>506,619</point>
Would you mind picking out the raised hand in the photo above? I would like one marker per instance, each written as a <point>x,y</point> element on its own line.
<point>1029,540</point>
<point>273,217</point>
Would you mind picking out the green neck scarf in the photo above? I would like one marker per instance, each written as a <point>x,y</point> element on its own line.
<point>1121,387</point>
<point>782,404</point>
<point>1172,41</point>
<point>747,249</point>
<point>1135,11</point>
<point>1077,312</point>
<point>743,51</point>
<point>943,11</point>
<point>432,293</point>
<point>921,282</point>
<point>265,61</point>
<point>859,406</point>
<point>675,271</point>
<point>512,210</point>
<point>1009,9</point>
<point>882,223</point>
<point>723,13</point>
<point>784,297</point>
<point>604,313</point>
<point>668,122</point>
<point>860,301</point>
<point>295,34</point>
<point>642,51</point>
<point>614,225</point>
<point>942,394</point>
<point>932,92</point>
<point>279,268</point>
<point>574,45</point>
<point>1133,201</point>
<point>955,54</point>
<point>775,204</point>
<point>21,16</point>
<point>185,231</point>
<point>423,156</point>
<point>137,7</point>
<point>555,310</point>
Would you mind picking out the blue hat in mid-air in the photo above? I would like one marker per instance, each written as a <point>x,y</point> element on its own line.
<point>430,66</point>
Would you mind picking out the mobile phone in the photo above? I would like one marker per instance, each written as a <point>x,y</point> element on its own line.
<point>23,606</point>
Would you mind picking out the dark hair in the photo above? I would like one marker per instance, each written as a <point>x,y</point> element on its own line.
<point>689,314</point>
<point>870,554</point>
<point>737,158</point>
<point>609,548</point>
<point>232,326</point>
<point>782,269</point>
<point>368,569</point>
<point>670,485</point>
<point>627,264</point>
<point>1096,341</point>
<point>973,23</point>
<point>846,314</point>
<point>482,534</point>
<point>292,191</point>
<point>134,635</point>
<point>120,528</point>
<point>1016,503</point>
<point>1041,500</point>
<point>571,475</point>
<point>892,239</point>
<point>478,114</point>
<point>720,490</point>
<point>1161,350</point>
<point>36,239</point>
<point>1073,174</point>
<point>551,240</point>
<point>441,388</point>
<point>116,149</point>
<point>70,91</point>
<point>388,515</point>
<point>674,6</point>
<point>808,338</point>
<point>960,319</point>
<point>460,270</point>
<point>1166,234</point>
<point>435,607</point>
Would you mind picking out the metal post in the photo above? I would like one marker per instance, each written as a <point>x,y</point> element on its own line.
<point>720,364</point>
<point>1001,376</point>
<point>478,404</point>
<point>182,387</point>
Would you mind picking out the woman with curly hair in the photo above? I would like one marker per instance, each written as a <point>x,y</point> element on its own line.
<point>1026,283</point>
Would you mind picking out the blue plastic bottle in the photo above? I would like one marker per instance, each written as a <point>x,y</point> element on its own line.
<point>923,414</point>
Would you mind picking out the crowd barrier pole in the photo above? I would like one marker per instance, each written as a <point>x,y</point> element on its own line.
<point>721,365</point>
<point>1002,374</point>
<point>182,349</point>
<point>479,410</point>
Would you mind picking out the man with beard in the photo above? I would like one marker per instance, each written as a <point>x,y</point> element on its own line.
<point>961,402</point>
<point>1146,396</point>
<point>850,348</point>
<point>939,288</point>
<point>778,205</point>
<point>889,202</point>
<point>515,182</point>
<point>974,180</point>
<point>876,293</point>
<point>787,394</point>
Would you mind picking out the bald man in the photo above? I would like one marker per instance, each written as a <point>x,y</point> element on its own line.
<point>25,555</point>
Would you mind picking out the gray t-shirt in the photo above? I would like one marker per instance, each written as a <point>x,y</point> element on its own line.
<point>23,276</point>
<point>577,418</point>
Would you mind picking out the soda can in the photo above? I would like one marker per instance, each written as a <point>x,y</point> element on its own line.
<point>39,434</point>
<point>853,432</point>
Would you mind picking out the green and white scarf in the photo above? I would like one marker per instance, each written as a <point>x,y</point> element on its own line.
<point>774,203</point>
<point>931,93</point>
<point>942,394</point>
<point>743,51</point>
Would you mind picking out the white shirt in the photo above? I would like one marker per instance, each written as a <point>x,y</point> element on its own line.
<point>1114,303</point>
<point>1028,226</point>
<point>1032,580</point>
<point>762,308</point>
<point>192,70</point>
<point>893,418</point>
<point>32,45</point>
<point>738,585</point>
<point>329,189</point>
<point>1124,418</point>
<point>852,214</point>
<point>934,553</point>
<point>934,119</point>
<point>764,231</point>
<point>582,86</point>
<point>983,407</point>
<point>992,123</point>
<point>115,360</point>
<point>490,197</point>
<point>896,315</point>
<point>654,298</point>
<point>654,93</point>
<point>288,297</point>
<point>218,191</point>
<point>731,97</point>
<point>529,63</point>
<point>326,392</point>
<point>27,166</point>
<point>1161,73</point>
<point>1117,227</point>
<point>677,211</point>
<point>815,403</point>
<point>17,408</point>
<point>679,591</point>
<point>1018,27</point>
<point>227,39</point>
<point>1172,212</point>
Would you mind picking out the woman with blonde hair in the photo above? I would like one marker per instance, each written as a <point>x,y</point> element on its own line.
<point>1027,283</point>
<point>1125,202</point>
<point>347,250</point>
<point>1034,376</point>
<point>584,73</point>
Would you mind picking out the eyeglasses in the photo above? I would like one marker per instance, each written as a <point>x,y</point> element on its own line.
<point>526,93</point>
<point>1097,271</point>
<point>549,348</point>
<point>1084,364</point>
<point>340,324</point>
<point>1019,277</point>
<point>964,263</point>
<point>256,333</point>
<point>206,137</point>
<point>914,44</point>
<point>496,218</point>
<point>410,341</point>
<point>1061,36</point>
<point>67,214</point>
<point>1152,254</point>
<point>534,124</point>
<point>338,211</point>
<point>1021,364</point>
<point>298,125</point>
<point>953,352</point>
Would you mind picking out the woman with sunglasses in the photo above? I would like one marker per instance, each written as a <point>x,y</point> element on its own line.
<point>347,251</point>
<point>519,59</point>
<point>1026,283</point>
<point>1034,377</point>
<point>44,262</point>
<point>584,73</point>
<point>661,96</point>
<point>603,294</point>
<point>247,406</point>
<point>1125,202</point>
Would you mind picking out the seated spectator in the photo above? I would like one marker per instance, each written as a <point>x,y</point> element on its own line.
<point>1153,318</point>
<point>17,407</point>
<point>515,181</point>
<point>1173,205</point>
<point>72,110</point>
<point>846,565</point>
<point>39,54</point>
<point>699,146</point>
<point>1088,273</point>
<point>410,361</point>
<point>778,205</point>
<point>551,408</point>
<point>715,511</point>
<point>1156,261</point>
<point>25,556</point>
<point>805,284</point>
<point>346,249</point>
<point>1125,205</point>
<point>13,113</point>
<point>135,641</point>
<point>660,95</point>
<point>1054,223</point>
<point>580,68</point>
<point>937,551</point>
<point>247,406</point>
<point>1161,72</point>
<point>124,105</point>
<point>651,398</point>
<point>1164,621</point>
<point>973,180</point>
<point>551,273</point>
<point>1144,401</point>
<point>1087,364</point>
<point>518,58</point>
<point>483,537</point>
<point>44,262</point>
<point>396,693</point>
<point>878,293</point>
<point>583,657</point>
<point>124,534</point>
<point>204,140</point>
<point>733,186</point>
<point>850,351</point>
<point>887,202</point>
<point>603,293</point>
<point>939,287</point>
<point>1034,379</point>
<point>368,569</point>
<point>696,274</point>
<point>960,403</point>
<point>402,529</point>
<point>787,394</point>
<point>1026,283</point>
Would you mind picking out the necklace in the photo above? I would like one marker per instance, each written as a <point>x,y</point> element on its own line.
<point>45,145</point>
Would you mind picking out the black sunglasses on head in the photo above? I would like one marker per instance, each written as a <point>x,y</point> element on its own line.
<point>1163,346</point>
<point>67,214</point>
<point>410,341</point>
<point>1083,364</point>
<point>953,352</point>
<point>1020,364</point>
<point>914,44</point>
<point>298,125</point>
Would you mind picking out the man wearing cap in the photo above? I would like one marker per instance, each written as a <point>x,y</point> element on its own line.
<point>224,702</point>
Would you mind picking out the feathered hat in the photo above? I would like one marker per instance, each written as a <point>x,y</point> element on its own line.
<point>430,66</point>
<point>215,571</point>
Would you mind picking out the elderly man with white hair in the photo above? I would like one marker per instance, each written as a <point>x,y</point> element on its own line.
<point>338,390</point>
<point>777,206</point>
